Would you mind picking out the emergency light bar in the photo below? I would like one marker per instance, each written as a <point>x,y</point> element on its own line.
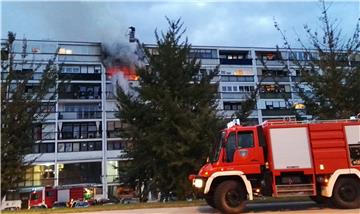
<point>233,123</point>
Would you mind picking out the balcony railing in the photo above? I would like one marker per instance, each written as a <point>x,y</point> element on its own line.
<point>269,95</point>
<point>274,78</point>
<point>230,113</point>
<point>277,112</point>
<point>296,78</point>
<point>234,95</point>
<point>80,95</point>
<point>225,78</point>
<point>114,134</point>
<point>110,95</point>
<point>43,136</point>
<point>269,62</point>
<point>68,76</point>
<point>79,135</point>
<point>111,114</point>
<point>25,75</point>
<point>235,61</point>
<point>79,115</point>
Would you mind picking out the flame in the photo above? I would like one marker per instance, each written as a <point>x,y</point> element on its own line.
<point>129,73</point>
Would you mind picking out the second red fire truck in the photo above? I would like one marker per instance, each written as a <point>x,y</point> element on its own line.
<point>282,159</point>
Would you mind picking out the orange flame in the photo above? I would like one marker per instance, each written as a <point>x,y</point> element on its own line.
<point>129,73</point>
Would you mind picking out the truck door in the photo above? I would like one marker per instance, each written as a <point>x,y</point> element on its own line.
<point>248,155</point>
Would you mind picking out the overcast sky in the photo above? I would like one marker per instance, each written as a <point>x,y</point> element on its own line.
<point>229,23</point>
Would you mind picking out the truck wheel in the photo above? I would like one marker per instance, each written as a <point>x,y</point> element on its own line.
<point>209,198</point>
<point>230,197</point>
<point>346,193</point>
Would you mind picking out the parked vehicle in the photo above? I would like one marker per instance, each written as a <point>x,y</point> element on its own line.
<point>80,204</point>
<point>11,203</point>
<point>48,196</point>
<point>283,158</point>
<point>104,201</point>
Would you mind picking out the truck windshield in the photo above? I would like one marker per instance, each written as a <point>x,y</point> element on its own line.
<point>217,148</point>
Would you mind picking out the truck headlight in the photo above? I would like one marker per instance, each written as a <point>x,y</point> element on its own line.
<point>198,183</point>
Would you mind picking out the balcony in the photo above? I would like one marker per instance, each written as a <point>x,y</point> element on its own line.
<point>277,112</point>
<point>79,115</point>
<point>110,95</point>
<point>114,133</point>
<point>111,114</point>
<point>225,78</point>
<point>266,62</point>
<point>79,135</point>
<point>230,113</point>
<point>235,61</point>
<point>41,135</point>
<point>296,78</point>
<point>275,95</point>
<point>65,76</point>
<point>274,78</point>
<point>80,95</point>
<point>234,95</point>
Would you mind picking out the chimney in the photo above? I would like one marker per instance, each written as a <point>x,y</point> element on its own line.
<point>132,34</point>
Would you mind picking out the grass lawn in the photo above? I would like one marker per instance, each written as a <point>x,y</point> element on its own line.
<point>147,205</point>
<point>114,207</point>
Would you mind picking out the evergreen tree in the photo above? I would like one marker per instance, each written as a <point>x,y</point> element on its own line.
<point>330,76</point>
<point>21,109</point>
<point>172,121</point>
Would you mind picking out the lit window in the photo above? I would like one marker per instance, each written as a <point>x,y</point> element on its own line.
<point>65,51</point>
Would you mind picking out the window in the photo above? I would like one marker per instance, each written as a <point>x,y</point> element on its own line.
<point>49,193</point>
<point>233,79</point>
<point>203,53</point>
<point>110,146</point>
<point>76,147</point>
<point>83,147</point>
<point>116,145</point>
<point>68,147</point>
<point>79,130</point>
<point>223,88</point>
<point>229,88</point>
<point>44,148</point>
<point>35,148</point>
<point>61,147</point>
<point>50,147</point>
<point>91,146</point>
<point>235,88</point>
<point>232,106</point>
<point>230,147</point>
<point>245,140</point>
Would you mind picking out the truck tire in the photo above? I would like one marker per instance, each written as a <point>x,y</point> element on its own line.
<point>230,196</point>
<point>346,193</point>
<point>209,198</point>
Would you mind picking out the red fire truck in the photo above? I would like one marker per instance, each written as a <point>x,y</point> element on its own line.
<point>279,158</point>
<point>46,196</point>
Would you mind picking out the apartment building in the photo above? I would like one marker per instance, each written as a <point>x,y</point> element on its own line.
<point>79,144</point>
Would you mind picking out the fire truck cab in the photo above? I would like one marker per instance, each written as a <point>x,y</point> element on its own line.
<point>283,158</point>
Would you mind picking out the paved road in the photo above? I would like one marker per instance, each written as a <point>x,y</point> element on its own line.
<point>265,208</point>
